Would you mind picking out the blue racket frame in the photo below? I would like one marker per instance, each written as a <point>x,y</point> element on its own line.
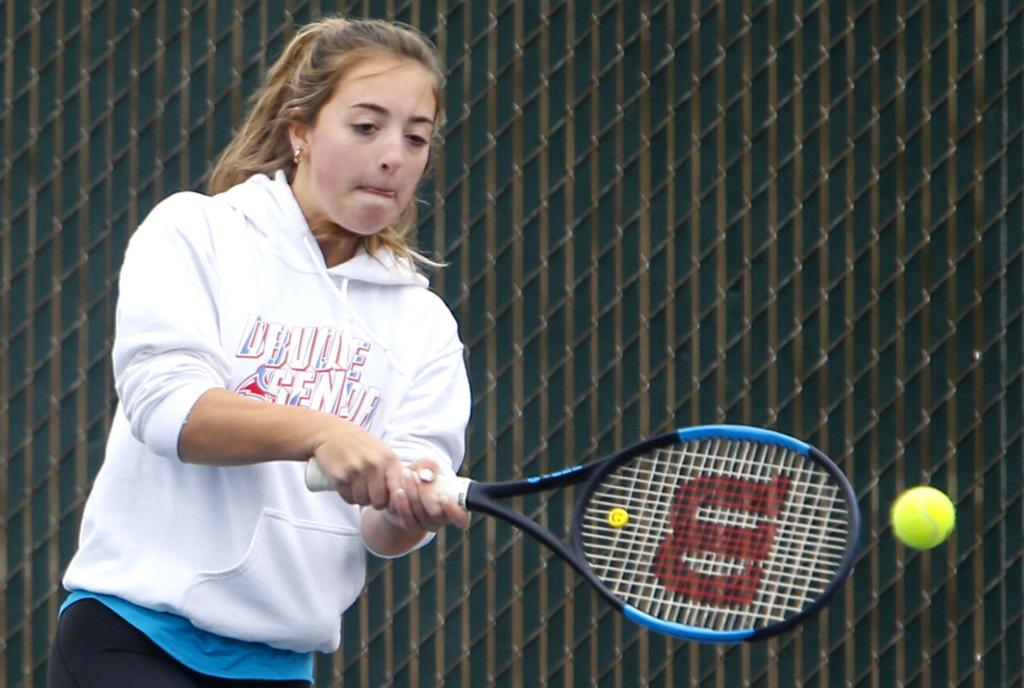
<point>483,497</point>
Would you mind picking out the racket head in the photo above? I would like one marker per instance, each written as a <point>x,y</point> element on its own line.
<point>717,533</point>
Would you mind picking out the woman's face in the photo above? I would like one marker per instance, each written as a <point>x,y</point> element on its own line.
<point>366,151</point>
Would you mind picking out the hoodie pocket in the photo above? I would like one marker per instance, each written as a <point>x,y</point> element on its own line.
<point>288,590</point>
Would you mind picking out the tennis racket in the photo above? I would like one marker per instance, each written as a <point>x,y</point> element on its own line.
<point>716,533</point>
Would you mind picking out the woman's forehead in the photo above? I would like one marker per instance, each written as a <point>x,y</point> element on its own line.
<point>389,78</point>
<point>382,68</point>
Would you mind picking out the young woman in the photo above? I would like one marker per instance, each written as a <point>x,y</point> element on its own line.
<point>278,319</point>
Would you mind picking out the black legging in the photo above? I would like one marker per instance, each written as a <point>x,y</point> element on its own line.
<point>96,648</point>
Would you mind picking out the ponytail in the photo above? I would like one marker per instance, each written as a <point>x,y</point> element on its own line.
<point>261,144</point>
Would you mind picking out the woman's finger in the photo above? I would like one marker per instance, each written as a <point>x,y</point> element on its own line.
<point>456,515</point>
<point>360,493</point>
<point>378,494</point>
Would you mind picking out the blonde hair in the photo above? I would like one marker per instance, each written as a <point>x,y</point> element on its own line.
<point>299,84</point>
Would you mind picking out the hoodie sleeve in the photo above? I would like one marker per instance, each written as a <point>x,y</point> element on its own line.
<point>167,350</point>
<point>431,420</point>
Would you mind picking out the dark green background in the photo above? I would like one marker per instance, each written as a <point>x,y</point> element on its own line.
<point>803,215</point>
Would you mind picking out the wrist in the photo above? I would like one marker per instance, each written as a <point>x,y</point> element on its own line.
<point>317,428</point>
<point>385,537</point>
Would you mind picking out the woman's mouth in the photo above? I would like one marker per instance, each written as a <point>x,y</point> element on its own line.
<point>377,191</point>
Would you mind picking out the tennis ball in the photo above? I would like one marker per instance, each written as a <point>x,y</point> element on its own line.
<point>923,517</point>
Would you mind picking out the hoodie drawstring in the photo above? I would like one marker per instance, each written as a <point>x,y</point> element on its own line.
<point>342,290</point>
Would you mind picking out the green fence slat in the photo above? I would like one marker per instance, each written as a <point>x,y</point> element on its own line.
<point>805,215</point>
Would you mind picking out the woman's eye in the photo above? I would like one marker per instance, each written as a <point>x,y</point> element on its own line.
<point>417,140</point>
<point>364,127</point>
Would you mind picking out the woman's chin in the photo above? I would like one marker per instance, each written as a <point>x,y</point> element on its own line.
<point>366,230</point>
<point>370,223</point>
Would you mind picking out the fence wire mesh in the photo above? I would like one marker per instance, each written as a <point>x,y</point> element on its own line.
<point>803,215</point>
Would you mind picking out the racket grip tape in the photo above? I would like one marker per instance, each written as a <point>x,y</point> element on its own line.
<point>453,486</point>
<point>316,481</point>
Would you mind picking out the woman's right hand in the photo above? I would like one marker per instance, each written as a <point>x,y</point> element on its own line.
<point>226,429</point>
<point>363,469</point>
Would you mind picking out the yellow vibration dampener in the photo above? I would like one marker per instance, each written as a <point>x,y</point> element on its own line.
<point>618,517</point>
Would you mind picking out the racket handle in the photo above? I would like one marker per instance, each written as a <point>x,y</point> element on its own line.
<point>316,481</point>
<point>453,486</point>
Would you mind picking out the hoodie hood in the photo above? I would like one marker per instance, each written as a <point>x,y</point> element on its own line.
<point>270,208</point>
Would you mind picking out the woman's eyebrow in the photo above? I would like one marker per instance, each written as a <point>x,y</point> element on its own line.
<point>379,109</point>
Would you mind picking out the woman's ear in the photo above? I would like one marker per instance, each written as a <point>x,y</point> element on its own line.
<point>298,136</point>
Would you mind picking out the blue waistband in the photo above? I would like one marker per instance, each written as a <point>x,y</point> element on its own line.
<point>202,651</point>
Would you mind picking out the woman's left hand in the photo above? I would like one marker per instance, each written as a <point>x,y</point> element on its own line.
<point>418,506</point>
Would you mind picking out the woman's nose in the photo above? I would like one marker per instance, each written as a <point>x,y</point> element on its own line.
<point>392,154</point>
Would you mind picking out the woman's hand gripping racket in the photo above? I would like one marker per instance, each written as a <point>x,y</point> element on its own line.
<point>717,533</point>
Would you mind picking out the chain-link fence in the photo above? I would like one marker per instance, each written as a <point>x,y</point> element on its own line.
<point>803,215</point>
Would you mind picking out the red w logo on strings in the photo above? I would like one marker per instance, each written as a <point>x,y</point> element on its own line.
<point>753,502</point>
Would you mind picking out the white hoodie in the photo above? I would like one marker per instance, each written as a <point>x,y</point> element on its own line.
<point>231,291</point>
